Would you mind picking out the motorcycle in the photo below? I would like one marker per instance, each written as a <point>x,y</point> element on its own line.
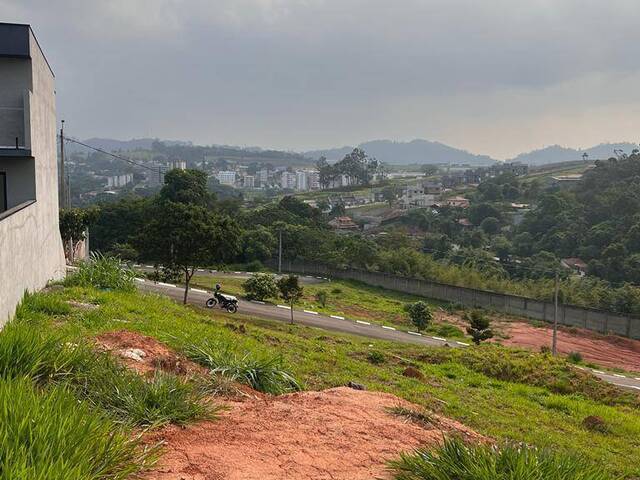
<point>227,302</point>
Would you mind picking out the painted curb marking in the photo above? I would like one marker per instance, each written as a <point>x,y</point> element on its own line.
<point>440,338</point>
<point>362,322</point>
<point>198,290</point>
<point>387,328</point>
<point>311,312</point>
<point>258,301</point>
<point>166,284</point>
<point>337,316</point>
<point>415,333</point>
<point>141,280</point>
<point>283,306</point>
<point>462,343</point>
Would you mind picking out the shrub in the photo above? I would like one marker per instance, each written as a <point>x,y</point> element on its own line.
<point>41,303</point>
<point>321,298</point>
<point>376,357</point>
<point>49,434</point>
<point>265,374</point>
<point>104,272</point>
<point>574,357</point>
<point>254,266</point>
<point>456,460</point>
<point>419,314</point>
<point>479,327</point>
<point>447,330</point>
<point>336,291</point>
<point>260,286</point>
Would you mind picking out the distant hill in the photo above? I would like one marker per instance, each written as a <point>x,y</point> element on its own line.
<point>556,153</point>
<point>404,153</point>
<point>112,145</point>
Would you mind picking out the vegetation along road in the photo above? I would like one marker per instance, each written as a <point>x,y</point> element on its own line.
<point>339,324</point>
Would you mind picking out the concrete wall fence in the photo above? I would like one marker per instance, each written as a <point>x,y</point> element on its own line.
<point>569,315</point>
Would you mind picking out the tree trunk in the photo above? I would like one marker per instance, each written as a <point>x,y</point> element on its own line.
<point>187,279</point>
<point>291,309</point>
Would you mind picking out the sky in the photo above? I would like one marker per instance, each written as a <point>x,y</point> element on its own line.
<point>495,77</point>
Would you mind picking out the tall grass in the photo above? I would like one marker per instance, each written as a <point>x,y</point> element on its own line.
<point>455,460</point>
<point>104,272</point>
<point>265,374</point>
<point>129,398</point>
<point>49,435</point>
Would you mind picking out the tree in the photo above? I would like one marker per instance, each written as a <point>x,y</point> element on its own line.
<point>479,327</point>
<point>186,186</point>
<point>290,290</point>
<point>430,170</point>
<point>260,286</point>
<point>321,297</point>
<point>419,314</point>
<point>73,226</point>
<point>187,236</point>
<point>490,225</point>
<point>390,193</point>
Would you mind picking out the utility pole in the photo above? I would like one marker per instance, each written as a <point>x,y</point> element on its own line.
<point>63,196</point>
<point>280,251</point>
<point>554,345</point>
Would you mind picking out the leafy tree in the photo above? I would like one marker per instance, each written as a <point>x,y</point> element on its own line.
<point>480,211</point>
<point>187,236</point>
<point>258,244</point>
<point>419,314</point>
<point>290,291</point>
<point>321,298</point>
<point>490,225</point>
<point>260,286</point>
<point>186,186</point>
<point>73,226</point>
<point>479,327</point>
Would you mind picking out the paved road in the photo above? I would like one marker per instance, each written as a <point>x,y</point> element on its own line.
<point>198,297</point>
<point>363,329</point>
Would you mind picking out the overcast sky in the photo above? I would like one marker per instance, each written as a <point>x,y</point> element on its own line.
<point>496,77</point>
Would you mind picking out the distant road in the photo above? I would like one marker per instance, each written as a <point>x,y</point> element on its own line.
<point>215,273</point>
<point>336,324</point>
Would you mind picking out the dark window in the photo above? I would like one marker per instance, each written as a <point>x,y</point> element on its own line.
<point>3,192</point>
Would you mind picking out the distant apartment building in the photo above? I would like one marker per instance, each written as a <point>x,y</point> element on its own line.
<point>31,251</point>
<point>179,164</point>
<point>119,181</point>
<point>248,181</point>
<point>227,177</point>
<point>262,178</point>
<point>301,180</point>
<point>288,180</point>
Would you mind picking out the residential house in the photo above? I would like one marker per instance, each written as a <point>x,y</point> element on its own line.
<point>576,264</point>
<point>458,202</point>
<point>31,251</point>
<point>343,224</point>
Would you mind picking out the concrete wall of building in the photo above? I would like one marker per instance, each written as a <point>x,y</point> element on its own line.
<point>569,315</point>
<point>31,251</point>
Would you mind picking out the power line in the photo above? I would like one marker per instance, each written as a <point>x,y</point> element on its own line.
<point>119,157</point>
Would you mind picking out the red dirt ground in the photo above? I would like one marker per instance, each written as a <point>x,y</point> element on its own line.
<point>157,356</point>
<point>606,350</point>
<point>338,434</point>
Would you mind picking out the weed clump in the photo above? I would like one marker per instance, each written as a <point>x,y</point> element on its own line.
<point>265,374</point>
<point>376,357</point>
<point>102,272</point>
<point>455,459</point>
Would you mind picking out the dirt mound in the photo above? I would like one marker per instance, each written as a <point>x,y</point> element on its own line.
<point>605,350</point>
<point>339,433</point>
<point>145,354</point>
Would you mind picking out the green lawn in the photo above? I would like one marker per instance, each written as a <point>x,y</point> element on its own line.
<point>482,387</point>
<point>350,299</point>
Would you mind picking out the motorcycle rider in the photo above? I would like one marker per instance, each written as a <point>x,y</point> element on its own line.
<point>218,294</point>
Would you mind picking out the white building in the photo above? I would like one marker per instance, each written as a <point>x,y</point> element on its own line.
<point>248,181</point>
<point>301,180</point>
<point>288,180</point>
<point>179,164</point>
<point>31,251</point>
<point>227,177</point>
<point>118,181</point>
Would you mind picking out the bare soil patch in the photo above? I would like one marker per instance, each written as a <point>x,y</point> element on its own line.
<point>146,355</point>
<point>338,434</point>
<point>606,350</point>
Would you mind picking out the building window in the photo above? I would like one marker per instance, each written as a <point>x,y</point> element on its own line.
<point>3,192</point>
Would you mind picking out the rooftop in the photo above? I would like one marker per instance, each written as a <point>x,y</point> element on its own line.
<point>14,41</point>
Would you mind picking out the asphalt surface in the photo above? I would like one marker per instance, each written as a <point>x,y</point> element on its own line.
<point>217,274</point>
<point>342,325</point>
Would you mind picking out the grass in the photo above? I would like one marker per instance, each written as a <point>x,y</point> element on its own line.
<point>415,416</point>
<point>49,435</point>
<point>265,374</point>
<point>105,272</point>
<point>505,394</point>
<point>350,299</point>
<point>459,461</point>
